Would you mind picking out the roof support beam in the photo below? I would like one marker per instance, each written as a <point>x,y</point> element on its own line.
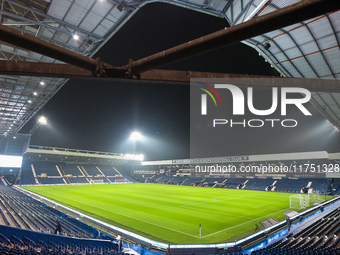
<point>161,76</point>
<point>29,42</point>
<point>25,68</point>
<point>260,25</point>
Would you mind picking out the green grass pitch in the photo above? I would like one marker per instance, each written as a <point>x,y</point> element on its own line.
<point>170,213</point>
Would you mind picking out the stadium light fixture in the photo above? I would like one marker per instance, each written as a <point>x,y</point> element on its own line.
<point>42,120</point>
<point>75,37</point>
<point>136,136</point>
<point>135,156</point>
<point>42,83</point>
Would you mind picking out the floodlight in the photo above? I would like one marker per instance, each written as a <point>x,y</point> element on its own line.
<point>42,120</point>
<point>75,37</point>
<point>136,136</point>
<point>42,83</point>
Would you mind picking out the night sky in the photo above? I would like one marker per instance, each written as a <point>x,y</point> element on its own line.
<point>100,115</point>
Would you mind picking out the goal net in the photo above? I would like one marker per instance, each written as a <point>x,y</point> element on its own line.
<point>98,181</point>
<point>315,197</point>
<point>299,201</point>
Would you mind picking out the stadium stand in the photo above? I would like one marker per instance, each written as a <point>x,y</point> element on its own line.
<point>163,179</point>
<point>78,180</point>
<point>51,180</point>
<point>92,170</point>
<point>336,186</point>
<point>150,178</point>
<point>233,183</point>
<point>110,171</point>
<point>296,185</point>
<point>20,242</point>
<point>12,214</point>
<point>18,209</point>
<point>124,173</point>
<point>26,174</point>
<point>319,236</point>
<point>176,180</point>
<point>62,173</point>
<point>71,170</point>
<point>46,168</point>
<point>258,184</point>
<point>26,225</point>
<point>266,184</point>
<point>193,181</point>
<point>291,185</point>
<point>144,177</point>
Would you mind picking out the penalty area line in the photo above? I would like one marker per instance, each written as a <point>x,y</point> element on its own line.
<point>242,224</point>
<point>214,200</point>
<point>269,203</point>
<point>127,216</point>
<point>239,216</point>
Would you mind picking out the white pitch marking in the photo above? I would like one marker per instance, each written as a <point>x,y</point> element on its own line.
<point>193,208</point>
<point>127,216</point>
<point>269,203</point>
<point>211,201</point>
<point>242,224</point>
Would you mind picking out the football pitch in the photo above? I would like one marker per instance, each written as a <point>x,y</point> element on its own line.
<point>171,213</point>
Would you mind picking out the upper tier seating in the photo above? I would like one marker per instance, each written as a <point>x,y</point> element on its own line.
<point>92,170</point>
<point>71,169</point>
<point>59,173</point>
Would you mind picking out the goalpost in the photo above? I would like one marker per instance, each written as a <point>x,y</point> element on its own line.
<point>299,201</point>
<point>316,197</point>
<point>302,201</point>
<point>100,181</point>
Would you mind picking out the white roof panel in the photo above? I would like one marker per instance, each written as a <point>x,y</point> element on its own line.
<point>75,15</point>
<point>85,4</point>
<point>302,43</point>
<point>90,21</point>
<point>101,8</point>
<point>59,8</point>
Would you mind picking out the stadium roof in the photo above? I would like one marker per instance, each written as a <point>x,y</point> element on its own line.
<point>287,158</point>
<point>93,21</point>
<point>309,49</point>
<point>54,154</point>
